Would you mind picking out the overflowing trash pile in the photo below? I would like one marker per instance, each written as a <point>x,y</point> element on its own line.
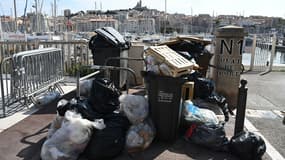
<point>103,122</point>
<point>100,125</point>
<point>164,61</point>
<point>186,59</point>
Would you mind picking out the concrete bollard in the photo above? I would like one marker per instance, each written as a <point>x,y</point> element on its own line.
<point>228,60</point>
<point>240,115</point>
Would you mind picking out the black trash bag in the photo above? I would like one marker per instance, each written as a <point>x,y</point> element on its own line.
<point>185,54</point>
<point>221,102</point>
<point>203,88</point>
<point>104,96</point>
<point>63,106</point>
<point>247,146</point>
<point>109,142</point>
<point>212,136</point>
<point>79,105</point>
<point>195,50</point>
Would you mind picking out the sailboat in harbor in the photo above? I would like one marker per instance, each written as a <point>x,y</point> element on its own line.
<point>18,33</point>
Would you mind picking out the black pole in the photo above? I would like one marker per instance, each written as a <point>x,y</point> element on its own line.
<point>241,106</point>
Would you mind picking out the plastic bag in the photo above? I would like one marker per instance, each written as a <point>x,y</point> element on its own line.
<point>62,107</point>
<point>150,60</point>
<point>221,102</point>
<point>140,136</point>
<point>247,146</point>
<point>212,136</point>
<point>48,97</point>
<point>85,87</point>
<point>199,115</point>
<point>135,107</point>
<point>218,108</point>
<point>104,96</point>
<point>152,65</point>
<point>80,105</point>
<point>165,70</point>
<point>109,142</point>
<point>70,139</point>
<point>203,88</point>
<point>55,125</point>
<point>154,69</point>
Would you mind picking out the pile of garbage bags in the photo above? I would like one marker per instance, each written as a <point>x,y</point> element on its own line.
<point>103,122</point>
<point>100,125</point>
<point>142,132</point>
<point>205,96</point>
<point>68,136</point>
<point>206,130</point>
<point>204,127</point>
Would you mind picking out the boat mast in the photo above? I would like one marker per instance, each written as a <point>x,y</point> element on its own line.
<point>24,29</point>
<point>1,32</point>
<point>15,12</point>
<point>54,18</point>
<point>37,17</point>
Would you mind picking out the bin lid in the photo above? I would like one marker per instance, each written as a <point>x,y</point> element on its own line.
<point>112,36</point>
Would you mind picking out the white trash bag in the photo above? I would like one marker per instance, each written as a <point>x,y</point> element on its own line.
<point>68,141</point>
<point>140,136</point>
<point>152,64</point>
<point>56,123</point>
<point>195,114</point>
<point>135,107</point>
<point>165,70</point>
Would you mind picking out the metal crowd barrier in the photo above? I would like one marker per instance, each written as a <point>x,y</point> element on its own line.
<point>27,74</point>
<point>74,51</point>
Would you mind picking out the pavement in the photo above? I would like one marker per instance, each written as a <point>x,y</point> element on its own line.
<point>265,109</point>
<point>264,116</point>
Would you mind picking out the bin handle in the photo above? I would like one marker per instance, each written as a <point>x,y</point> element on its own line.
<point>98,67</point>
<point>121,58</point>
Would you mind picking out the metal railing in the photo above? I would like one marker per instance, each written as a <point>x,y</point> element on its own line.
<point>74,52</point>
<point>27,74</point>
<point>262,53</point>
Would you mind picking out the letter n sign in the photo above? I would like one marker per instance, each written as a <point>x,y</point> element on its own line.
<point>229,49</point>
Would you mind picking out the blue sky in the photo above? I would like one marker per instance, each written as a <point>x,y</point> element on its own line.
<point>234,7</point>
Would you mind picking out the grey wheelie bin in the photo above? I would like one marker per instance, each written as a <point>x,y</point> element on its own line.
<point>110,43</point>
